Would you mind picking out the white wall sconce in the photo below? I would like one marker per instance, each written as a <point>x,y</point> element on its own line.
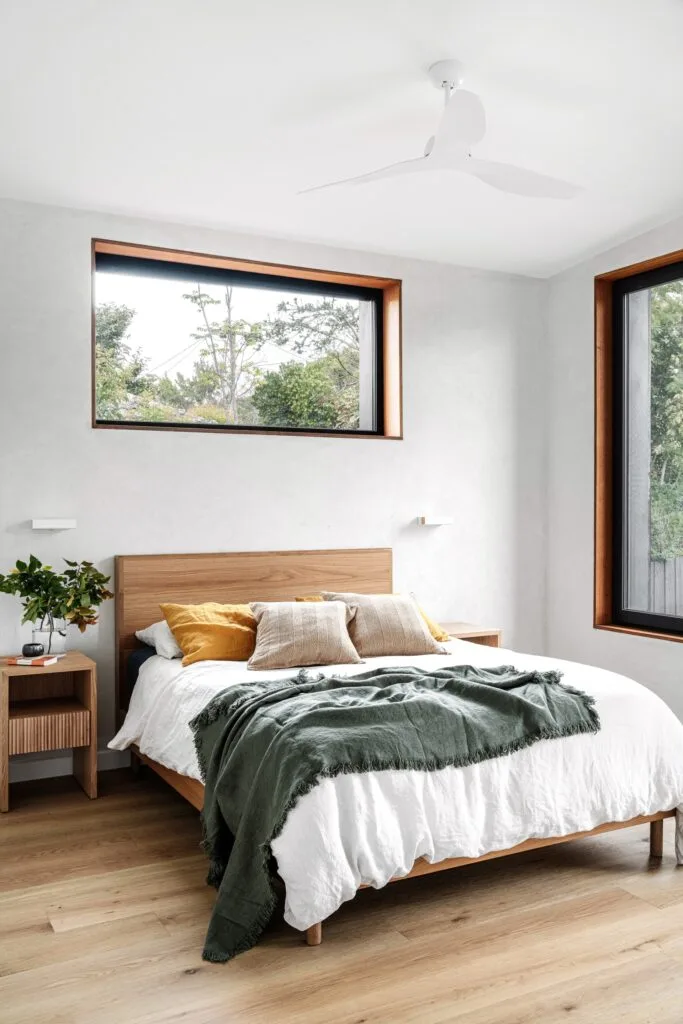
<point>434,520</point>
<point>53,524</point>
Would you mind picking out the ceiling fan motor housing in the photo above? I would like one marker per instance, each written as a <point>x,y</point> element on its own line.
<point>446,74</point>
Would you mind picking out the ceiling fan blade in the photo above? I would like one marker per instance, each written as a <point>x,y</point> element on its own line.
<point>508,178</point>
<point>390,171</point>
<point>463,122</point>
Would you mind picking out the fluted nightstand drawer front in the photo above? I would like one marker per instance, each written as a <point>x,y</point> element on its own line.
<point>59,724</point>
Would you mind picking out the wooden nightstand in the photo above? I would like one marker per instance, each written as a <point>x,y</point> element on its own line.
<point>477,634</point>
<point>50,708</point>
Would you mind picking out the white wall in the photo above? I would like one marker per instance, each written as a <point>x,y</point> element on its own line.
<point>473,448</point>
<point>570,633</point>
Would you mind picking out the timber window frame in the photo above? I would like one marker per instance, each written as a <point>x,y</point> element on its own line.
<point>385,293</point>
<point>611,441</point>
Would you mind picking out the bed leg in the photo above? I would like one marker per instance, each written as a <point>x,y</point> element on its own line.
<point>314,934</point>
<point>136,764</point>
<point>657,839</point>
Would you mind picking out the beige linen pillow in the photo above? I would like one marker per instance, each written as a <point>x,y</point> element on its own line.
<point>289,634</point>
<point>387,624</point>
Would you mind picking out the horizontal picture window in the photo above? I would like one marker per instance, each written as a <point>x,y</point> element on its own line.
<point>205,343</point>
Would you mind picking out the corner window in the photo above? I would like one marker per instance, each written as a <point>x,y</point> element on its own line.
<point>639,458</point>
<point>197,342</point>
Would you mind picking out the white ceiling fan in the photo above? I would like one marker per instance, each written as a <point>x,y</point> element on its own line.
<point>462,125</point>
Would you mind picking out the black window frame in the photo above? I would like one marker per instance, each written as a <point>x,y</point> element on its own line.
<point>647,622</point>
<point>209,274</point>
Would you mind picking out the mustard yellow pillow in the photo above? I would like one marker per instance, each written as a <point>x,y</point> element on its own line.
<point>211,631</point>
<point>434,628</point>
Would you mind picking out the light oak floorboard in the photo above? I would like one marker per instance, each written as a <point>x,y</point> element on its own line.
<point>103,910</point>
<point>648,992</point>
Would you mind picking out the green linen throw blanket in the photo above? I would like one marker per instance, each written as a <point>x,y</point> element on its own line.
<point>261,746</point>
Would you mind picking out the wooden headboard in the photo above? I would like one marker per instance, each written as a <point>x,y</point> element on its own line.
<point>143,582</point>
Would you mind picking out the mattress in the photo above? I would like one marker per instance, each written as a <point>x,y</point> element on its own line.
<point>364,829</point>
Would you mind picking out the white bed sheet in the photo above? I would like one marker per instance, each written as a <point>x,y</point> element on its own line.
<point>364,829</point>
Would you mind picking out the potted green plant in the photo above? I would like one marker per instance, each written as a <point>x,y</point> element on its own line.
<point>52,600</point>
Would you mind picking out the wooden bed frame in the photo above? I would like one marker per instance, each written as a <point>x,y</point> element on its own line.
<point>143,582</point>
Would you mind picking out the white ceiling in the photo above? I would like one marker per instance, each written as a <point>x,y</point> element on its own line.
<point>215,112</point>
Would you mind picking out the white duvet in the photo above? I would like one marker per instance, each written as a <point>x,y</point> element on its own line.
<point>364,829</point>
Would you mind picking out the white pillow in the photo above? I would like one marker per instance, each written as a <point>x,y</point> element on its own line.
<point>160,637</point>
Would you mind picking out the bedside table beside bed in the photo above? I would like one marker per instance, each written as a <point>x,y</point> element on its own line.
<point>476,634</point>
<point>51,707</point>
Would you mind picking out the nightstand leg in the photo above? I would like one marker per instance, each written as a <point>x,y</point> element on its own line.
<point>85,758</point>
<point>4,742</point>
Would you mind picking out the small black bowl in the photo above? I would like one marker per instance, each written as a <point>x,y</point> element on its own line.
<point>32,650</point>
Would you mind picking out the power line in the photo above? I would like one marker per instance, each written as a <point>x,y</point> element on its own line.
<point>177,356</point>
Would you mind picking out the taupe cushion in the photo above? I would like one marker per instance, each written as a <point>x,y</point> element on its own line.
<point>387,624</point>
<point>289,634</point>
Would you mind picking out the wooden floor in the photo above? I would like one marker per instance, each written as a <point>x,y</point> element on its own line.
<point>103,910</point>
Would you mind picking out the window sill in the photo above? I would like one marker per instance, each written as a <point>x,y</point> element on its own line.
<point>198,428</point>
<point>639,631</point>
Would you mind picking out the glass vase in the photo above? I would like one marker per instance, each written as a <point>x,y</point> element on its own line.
<point>53,639</point>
